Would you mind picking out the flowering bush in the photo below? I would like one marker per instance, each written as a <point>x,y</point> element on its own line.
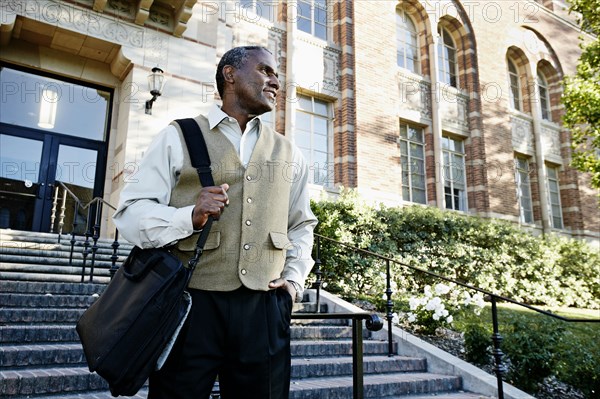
<point>432,310</point>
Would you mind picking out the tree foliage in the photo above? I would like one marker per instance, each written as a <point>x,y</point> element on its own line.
<point>581,96</point>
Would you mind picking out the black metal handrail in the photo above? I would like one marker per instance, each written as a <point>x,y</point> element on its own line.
<point>93,224</point>
<point>499,368</point>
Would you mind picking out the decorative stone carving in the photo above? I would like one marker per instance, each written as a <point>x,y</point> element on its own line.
<point>551,141</point>
<point>522,134</point>
<point>331,70</point>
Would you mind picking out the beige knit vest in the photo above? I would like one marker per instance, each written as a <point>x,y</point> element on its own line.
<point>247,245</point>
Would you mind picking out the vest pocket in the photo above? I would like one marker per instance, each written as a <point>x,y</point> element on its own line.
<point>189,244</point>
<point>280,240</point>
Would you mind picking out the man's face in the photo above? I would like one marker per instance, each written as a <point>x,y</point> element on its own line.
<point>256,83</point>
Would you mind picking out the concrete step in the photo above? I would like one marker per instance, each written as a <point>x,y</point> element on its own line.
<point>338,366</point>
<point>47,300</point>
<point>448,395</point>
<point>55,380</point>
<point>375,386</point>
<point>32,236</point>
<point>44,287</point>
<point>65,380</point>
<point>59,265</point>
<point>311,348</point>
<point>39,316</point>
<point>27,356</point>
<point>37,334</point>
<point>54,249</point>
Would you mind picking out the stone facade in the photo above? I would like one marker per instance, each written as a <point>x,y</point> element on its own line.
<point>348,63</point>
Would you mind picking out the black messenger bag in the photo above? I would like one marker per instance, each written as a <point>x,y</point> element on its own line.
<point>129,331</point>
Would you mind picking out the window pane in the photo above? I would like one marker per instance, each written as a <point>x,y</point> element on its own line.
<point>302,139</point>
<point>61,107</point>
<point>321,31</point>
<point>20,158</point>
<point>416,150</point>
<point>303,121</point>
<point>304,103</point>
<point>320,142</point>
<point>321,108</point>
<point>304,25</point>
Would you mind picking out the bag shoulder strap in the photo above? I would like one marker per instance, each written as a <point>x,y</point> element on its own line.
<point>194,139</point>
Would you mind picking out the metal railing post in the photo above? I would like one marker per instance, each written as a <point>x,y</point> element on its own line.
<point>389,306</point>
<point>97,212</point>
<point>115,256</point>
<point>317,284</point>
<point>497,339</point>
<point>73,240</point>
<point>357,360</point>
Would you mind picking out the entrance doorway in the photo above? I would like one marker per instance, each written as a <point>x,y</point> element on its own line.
<point>52,151</point>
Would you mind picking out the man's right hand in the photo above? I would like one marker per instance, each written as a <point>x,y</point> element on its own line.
<point>211,201</point>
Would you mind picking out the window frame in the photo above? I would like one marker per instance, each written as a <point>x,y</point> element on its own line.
<point>544,96</point>
<point>516,102</point>
<point>404,21</point>
<point>458,196</point>
<point>523,187</point>
<point>447,69</point>
<point>407,159</point>
<point>309,153</point>
<point>556,215</point>
<point>314,7</point>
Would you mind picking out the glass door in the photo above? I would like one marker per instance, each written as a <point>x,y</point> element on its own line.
<point>43,179</point>
<point>21,180</point>
<point>53,140</point>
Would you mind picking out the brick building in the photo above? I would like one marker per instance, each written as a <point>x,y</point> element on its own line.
<point>453,104</point>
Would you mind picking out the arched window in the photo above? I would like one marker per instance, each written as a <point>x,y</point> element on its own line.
<point>542,84</point>
<point>407,45</point>
<point>447,60</point>
<point>515,86</point>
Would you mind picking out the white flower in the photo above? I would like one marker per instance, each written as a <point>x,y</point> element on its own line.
<point>433,304</point>
<point>395,318</point>
<point>449,319</point>
<point>412,317</point>
<point>414,303</point>
<point>436,316</point>
<point>427,290</point>
<point>442,289</point>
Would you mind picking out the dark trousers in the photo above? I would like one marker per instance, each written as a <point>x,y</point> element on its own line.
<point>242,336</point>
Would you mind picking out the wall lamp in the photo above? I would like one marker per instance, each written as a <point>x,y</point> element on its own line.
<point>156,81</point>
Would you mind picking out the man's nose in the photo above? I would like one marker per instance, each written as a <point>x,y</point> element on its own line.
<point>274,82</point>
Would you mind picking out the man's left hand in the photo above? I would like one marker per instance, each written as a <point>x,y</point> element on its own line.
<point>283,283</point>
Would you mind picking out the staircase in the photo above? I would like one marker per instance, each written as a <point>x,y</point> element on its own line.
<point>41,299</point>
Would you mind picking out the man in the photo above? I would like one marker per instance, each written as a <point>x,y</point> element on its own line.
<point>258,252</point>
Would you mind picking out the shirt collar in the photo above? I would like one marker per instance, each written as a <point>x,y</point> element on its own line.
<point>216,116</point>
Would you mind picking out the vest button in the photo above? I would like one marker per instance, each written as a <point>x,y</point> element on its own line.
<point>249,200</point>
<point>246,246</point>
<point>248,223</point>
<point>243,271</point>
<point>249,178</point>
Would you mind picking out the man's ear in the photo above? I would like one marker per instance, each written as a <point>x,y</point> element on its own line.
<point>228,73</point>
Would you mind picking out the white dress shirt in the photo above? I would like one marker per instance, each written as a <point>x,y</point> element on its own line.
<point>145,219</point>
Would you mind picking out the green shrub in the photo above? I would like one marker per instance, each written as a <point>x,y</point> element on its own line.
<point>477,344</point>
<point>529,351</point>
<point>491,254</point>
